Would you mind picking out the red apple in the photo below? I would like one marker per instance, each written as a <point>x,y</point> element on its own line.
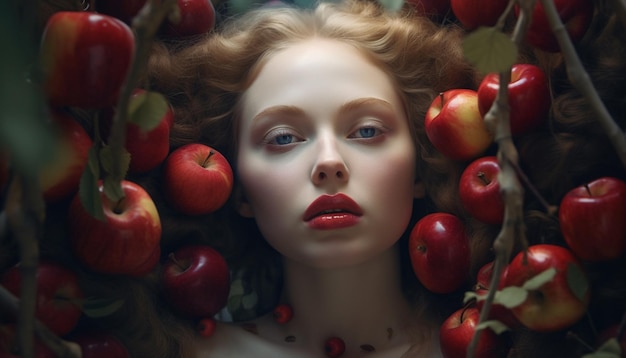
<point>125,241</point>
<point>282,313</point>
<point>196,281</point>
<point>100,344</point>
<point>529,96</point>
<point>435,9</point>
<point>440,252</point>
<point>60,177</point>
<point>479,190</point>
<point>85,58</point>
<point>196,17</point>
<point>497,311</point>
<point>556,304</point>
<point>592,219</point>
<point>59,296</point>
<point>206,327</point>
<point>476,13</point>
<point>576,16</point>
<point>197,178</point>
<point>147,149</point>
<point>456,332</point>
<point>455,126</point>
<point>124,10</point>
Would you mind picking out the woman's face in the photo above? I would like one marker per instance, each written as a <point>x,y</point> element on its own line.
<point>325,157</point>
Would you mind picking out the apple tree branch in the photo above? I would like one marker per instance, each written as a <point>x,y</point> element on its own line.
<point>579,77</point>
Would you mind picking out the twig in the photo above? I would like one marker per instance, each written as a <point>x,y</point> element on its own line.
<point>59,347</point>
<point>579,77</point>
<point>145,25</point>
<point>497,118</point>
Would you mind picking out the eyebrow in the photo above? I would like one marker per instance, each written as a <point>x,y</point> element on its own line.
<point>350,106</point>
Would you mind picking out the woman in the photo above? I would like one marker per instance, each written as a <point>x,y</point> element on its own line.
<point>321,114</point>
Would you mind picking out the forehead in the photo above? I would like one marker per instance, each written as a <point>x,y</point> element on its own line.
<point>320,70</point>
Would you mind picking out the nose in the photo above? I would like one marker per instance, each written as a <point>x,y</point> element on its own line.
<point>329,165</point>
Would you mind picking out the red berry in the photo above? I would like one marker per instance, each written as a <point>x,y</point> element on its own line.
<point>334,347</point>
<point>206,327</point>
<point>283,313</point>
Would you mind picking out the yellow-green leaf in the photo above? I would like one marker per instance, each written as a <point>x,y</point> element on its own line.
<point>540,279</point>
<point>101,307</point>
<point>495,325</point>
<point>511,296</point>
<point>490,50</point>
<point>577,281</point>
<point>147,109</point>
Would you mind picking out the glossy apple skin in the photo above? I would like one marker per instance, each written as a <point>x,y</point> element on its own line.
<point>197,178</point>
<point>475,13</point>
<point>85,58</point>
<point>440,252</point>
<point>436,9</point>
<point>60,177</point>
<point>529,96</point>
<point>147,149</point>
<point>59,295</point>
<point>592,219</point>
<point>99,344</point>
<point>497,311</point>
<point>124,10</point>
<point>576,16</point>
<point>196,17</point>
<point>456,332</point>
<point>196,281</point>
<point>455,126</point>
<point>479,190</point>
<point>554,306</point>
<point>127,242</point>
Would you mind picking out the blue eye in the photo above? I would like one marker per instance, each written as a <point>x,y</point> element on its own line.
<point>367,132</point>
<point>283,139</point>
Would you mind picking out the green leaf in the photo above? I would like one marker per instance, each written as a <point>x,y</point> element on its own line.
<point>609,349</point>
<point>496,326</point>
<point>249,301</point>
<point>539,280</point>
<point>113,189</point>
<point>101,307</point>
<point>109,162</point>
<point>147,109</point>
<point>577,281</point>
<point>470,295</point>
<point>88,190</point>
<point>490,50</point>
<point>511,296</point>
<point>392,5</point>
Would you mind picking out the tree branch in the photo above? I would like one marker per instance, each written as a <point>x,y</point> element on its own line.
<point>579,77</point>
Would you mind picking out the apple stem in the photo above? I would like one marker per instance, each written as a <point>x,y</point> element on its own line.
<point>588,190</point>
<point>483,178</point>
<point>119,207</point>
<point>172,257</point>
<point>205,162</point>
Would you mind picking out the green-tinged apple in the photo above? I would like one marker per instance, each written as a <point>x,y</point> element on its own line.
<point>479,190</point>
<point>558,303</point>
<point>85,57</point>
<point>576,16</point>
<point>440,252</point>
<point>592,219</point>
<point>147,149</point>
<point>497,311</point>
<point>196,17</point>
<point>126,242</point>
<point>529,96</point>
<point>435,9</point>
<point>456,332</point>
<point>196,281</point>
<point>60,177</point>
<point>476,13</point>
<point>455,126</point>
<point>100,344</point>
<point>125,10</point>
<point>59,295</point>
<point>197,179</point>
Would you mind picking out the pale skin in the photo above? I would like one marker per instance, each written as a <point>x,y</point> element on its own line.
<point>320,119</point>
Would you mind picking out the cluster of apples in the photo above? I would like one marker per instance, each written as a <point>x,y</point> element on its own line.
<point>546,288</point>
<point>85,59</point>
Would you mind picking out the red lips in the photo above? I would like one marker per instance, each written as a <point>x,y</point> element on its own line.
<point>332,212</point>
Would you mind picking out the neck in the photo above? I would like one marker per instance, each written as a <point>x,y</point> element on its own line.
<point>361,304</point>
